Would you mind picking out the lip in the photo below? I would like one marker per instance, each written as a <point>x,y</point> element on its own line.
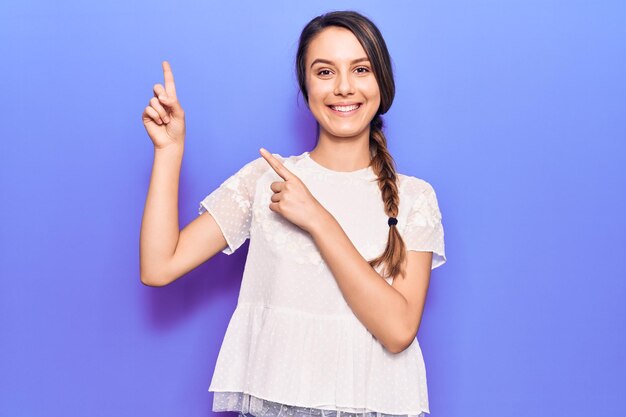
<point>345,113</point>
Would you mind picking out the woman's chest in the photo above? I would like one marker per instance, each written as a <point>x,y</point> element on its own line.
<point>357,206</point>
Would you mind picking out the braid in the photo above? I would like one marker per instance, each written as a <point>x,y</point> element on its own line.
<point>383,164</point>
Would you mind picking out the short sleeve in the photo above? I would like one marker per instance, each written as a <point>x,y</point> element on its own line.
<point>231,205</point>
<point>424,229</point>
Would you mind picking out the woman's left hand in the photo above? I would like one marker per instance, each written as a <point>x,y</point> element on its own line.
<point>291,198</point>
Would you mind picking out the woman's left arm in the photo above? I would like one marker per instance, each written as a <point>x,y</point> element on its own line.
<point>392,313</point>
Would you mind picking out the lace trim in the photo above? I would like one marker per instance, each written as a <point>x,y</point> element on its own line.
<point>248,405</point>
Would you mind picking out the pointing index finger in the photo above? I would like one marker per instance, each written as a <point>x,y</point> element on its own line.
<point>170,88</point>
<point>276,165</point>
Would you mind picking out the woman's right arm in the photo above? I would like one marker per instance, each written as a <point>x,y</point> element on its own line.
<point>165,252</point>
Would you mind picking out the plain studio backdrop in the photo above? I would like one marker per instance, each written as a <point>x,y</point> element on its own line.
<point>513,110</point>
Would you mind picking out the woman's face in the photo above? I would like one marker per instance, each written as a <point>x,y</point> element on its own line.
<point>336,76</point>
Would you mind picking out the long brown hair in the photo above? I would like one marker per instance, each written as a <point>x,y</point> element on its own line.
<point>382,163</point>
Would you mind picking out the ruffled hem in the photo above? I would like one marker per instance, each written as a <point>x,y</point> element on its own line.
<point>249,405</point>
<point>289,356</point>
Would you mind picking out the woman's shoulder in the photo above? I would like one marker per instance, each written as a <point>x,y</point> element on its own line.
<point>413,185</point>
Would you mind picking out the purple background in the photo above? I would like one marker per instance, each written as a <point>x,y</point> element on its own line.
<point>513,110</point>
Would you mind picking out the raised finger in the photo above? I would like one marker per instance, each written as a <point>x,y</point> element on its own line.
<point>170,88</point>
<point>154,103</point>
<point>276,165</point>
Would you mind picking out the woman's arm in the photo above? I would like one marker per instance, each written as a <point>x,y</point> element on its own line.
<point>165,253</point>
<point>391,316</point>
<point>391,313</point>
<point>159,225</point>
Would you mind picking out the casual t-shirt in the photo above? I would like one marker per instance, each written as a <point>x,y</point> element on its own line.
<point>292,339</point>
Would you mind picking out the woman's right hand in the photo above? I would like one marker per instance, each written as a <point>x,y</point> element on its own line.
<point>164,118</point>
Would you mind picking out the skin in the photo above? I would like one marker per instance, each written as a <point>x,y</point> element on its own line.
<point>343,142</point>
<point>392,313</point>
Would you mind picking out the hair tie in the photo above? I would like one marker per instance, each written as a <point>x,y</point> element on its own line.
<point>392,221</point>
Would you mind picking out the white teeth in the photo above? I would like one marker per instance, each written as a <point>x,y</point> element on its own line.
<point>346,108</point>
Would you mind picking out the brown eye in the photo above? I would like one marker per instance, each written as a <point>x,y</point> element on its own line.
<point>320,72</point>
<point>364,68</point>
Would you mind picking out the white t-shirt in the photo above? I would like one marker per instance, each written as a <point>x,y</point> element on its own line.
<point>292,338</point>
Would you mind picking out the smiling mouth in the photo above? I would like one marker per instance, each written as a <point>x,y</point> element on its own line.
<point>345,109</point>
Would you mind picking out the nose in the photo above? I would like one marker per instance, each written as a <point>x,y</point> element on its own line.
<point>344,85</point>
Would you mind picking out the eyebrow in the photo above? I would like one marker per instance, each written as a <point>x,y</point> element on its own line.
<point>325,61</point>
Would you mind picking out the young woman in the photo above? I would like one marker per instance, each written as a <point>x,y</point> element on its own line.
<point>341,245</point>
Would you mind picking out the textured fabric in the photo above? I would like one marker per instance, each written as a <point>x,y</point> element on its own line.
<point>248,405</point>
<point>293,339</point>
